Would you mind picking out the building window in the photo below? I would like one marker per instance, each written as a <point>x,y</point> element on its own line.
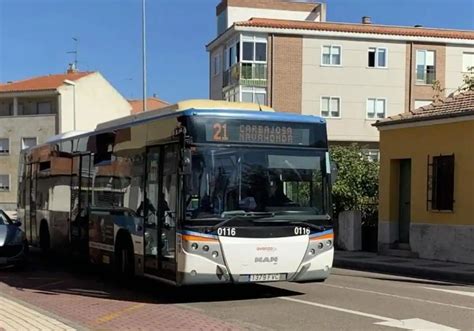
<point>377,57</point>
<point>4,146</point>
<point>467,62</point>
<point>442,183</point>
<point>254,49</point>
<point>331,107</point>
<point>373,155</point>
<point>28,142</point>
<point>376,108</point>
<point>232,95</point>
<point>216,65</point>
<point>425,67</point>
<point>254,95</point>
<point>422,103</point>
<point>44,108</point>
<point>331,55</point>
<point>4,182</point>
<point>232,55</point>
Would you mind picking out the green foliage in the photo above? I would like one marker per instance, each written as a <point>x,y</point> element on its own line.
<point>357,185</point>
<point>468,79</point>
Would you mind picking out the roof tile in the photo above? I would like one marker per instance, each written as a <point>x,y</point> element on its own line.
<point>357,28</point>
<point>458,105</point>
<point>151,104</point>
<point>41,83</point>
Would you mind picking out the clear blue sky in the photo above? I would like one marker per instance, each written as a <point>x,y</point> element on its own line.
<point>36,34</point>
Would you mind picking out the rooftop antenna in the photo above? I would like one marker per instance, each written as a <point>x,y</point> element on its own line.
<point>76,42</point>
<point>258,102</point>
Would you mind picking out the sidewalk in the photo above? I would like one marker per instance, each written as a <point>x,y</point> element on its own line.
<point>436,270</point>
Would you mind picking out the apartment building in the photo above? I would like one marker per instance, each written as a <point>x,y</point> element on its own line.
<point>34,109</point>
<point>285,55</point>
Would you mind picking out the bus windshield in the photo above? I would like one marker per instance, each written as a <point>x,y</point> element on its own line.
<point>231,181</point>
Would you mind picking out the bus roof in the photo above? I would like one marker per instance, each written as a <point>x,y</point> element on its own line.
<point>210,108</point>
<point>196,107</point>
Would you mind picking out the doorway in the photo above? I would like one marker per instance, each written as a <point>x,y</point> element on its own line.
<point>159,210</point>
<point>404,203</point>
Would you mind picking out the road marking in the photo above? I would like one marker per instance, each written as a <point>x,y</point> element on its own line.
<point>469,294</point>
<point>113,315</point>
<point>399,296</point>
<point>14,316</point>
<point>416,324</point>
<point>407,324</point>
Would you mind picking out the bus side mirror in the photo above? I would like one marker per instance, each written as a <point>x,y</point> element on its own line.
<point>186,166</point>
<point>334,173</point>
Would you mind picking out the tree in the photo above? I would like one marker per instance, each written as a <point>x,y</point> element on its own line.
<point>357,185</point>
<point>468,79</point>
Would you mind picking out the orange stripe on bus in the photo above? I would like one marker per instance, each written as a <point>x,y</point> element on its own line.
<point>188,237</point>
<point>326,236</point>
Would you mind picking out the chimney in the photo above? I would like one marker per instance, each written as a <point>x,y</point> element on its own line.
<point>71,69</point>
<point>366,20</point>
<point>418,26</point>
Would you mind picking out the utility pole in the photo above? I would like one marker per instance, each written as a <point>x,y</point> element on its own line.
<point>144,52</point>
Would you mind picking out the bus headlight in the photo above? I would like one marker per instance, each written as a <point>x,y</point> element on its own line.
<point>329,243</point>
<point>194,246</point>
<point>215,254</point>
<point>205,248</point>
<point>312,251</point>
<point>320,245</point>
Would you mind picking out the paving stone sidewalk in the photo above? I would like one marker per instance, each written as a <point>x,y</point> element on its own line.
<point>436,270</point>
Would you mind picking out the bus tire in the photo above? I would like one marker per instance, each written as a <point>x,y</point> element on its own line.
<point>124,258</point>
<point>45,238</point>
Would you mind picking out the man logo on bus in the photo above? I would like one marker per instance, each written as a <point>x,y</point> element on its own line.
<point>266,259</point>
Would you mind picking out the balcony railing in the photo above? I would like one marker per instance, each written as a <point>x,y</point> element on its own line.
<point>426,75</point>
<point>247,74</point>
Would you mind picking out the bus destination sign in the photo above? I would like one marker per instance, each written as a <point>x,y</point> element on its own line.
<point>251,132</point>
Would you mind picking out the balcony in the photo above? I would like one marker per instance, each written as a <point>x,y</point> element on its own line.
<point>426,75</point>
<point>246,74</point>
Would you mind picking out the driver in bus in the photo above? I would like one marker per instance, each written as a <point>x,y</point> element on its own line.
<point>276,196</point>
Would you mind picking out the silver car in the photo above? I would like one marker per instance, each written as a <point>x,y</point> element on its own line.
<point>13,243</point>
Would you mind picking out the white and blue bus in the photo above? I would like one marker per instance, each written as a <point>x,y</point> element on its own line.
<point>199,192</point>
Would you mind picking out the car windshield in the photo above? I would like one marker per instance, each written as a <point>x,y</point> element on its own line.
<point>235,181</point>
<point>4,220</point>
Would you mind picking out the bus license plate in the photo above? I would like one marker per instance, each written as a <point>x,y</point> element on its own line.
<point>264,278</point>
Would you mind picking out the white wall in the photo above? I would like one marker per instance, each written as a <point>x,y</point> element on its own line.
<point>353,82</point>
<point>96,101</point>
<point>454,66</point>
<point>215,88</point>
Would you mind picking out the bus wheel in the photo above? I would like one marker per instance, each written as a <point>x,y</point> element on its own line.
<point>45,239</point>
<point>124,259</point>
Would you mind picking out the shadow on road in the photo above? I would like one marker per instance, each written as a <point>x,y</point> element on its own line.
<point>402,279</point>
<point>44,277</point>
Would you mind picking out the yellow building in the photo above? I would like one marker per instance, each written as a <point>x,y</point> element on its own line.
<point>427,180</point>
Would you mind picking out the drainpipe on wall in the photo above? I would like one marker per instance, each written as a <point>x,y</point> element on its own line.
<point>272,71</point>
<point>410,77</point>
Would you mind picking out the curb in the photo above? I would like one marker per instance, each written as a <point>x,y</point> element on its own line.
<point>433,274</point>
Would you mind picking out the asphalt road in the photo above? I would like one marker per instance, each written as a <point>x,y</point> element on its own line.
<point>348,300</point>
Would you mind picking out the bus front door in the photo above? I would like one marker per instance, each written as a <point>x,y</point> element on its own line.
<point>80,192</point>
<point>159,211</point>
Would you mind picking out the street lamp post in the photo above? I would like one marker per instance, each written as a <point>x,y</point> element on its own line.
<point>144,52</point>
<point>71,83</point>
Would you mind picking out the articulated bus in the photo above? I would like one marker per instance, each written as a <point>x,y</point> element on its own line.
<point>200,192</point>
